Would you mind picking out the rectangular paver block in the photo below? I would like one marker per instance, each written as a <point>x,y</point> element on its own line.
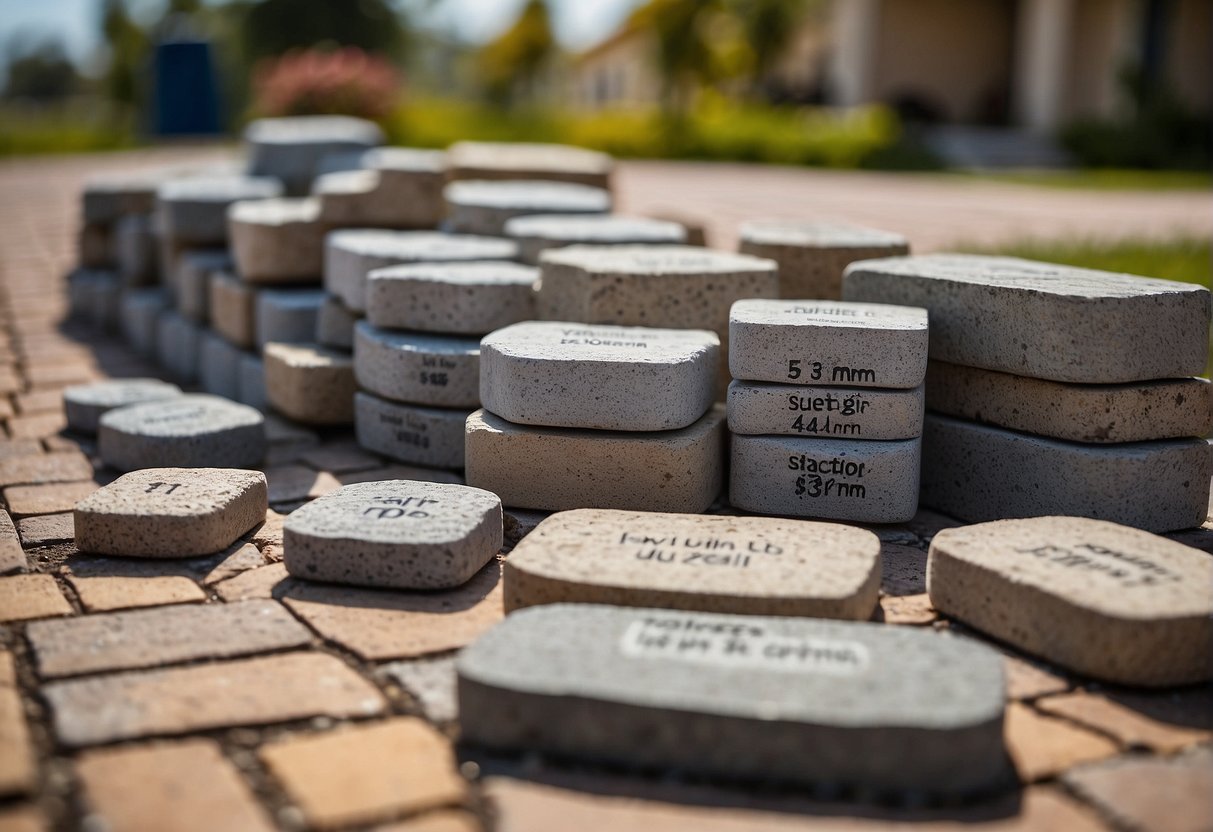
<point>258,691</point>
<point>1116,603</point>
<point>431,436</point>
<point>162,636</point>
<point>1099,413</point>
<point>365,773</point>
<point>823,343</point>
<point>980,472</point>
<point>1044,320</point>
<point>832,479</point>
<point>744,565</point>
<point>563,468</point>
<point>777,699</point>
<point>860,413</point>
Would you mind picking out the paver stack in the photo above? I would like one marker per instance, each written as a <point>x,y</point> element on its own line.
<point>598,416</point>
<point>826,408</point>
<point>1057,390</point>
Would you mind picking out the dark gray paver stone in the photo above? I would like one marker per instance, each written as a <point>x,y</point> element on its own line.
<point>790,700</point>
<point>980,472</point>
<point>191,431</point>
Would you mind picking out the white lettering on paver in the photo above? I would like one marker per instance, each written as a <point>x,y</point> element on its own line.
<point>741,645</point>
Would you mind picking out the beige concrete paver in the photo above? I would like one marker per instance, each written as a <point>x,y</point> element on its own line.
<point>23,597</point>
<point>297,482</point>
<point>183,786</point>
<point>12,556</point>
<point>257,691</point>
<point>262,582</point>
<point>1042,746</point>
<point>367,773</point>
<point>1166,722</point>
<point>107,593</point>
<point>52,498</point>
<point>22,819</point>
<point>36,426</point>
<point>162,636</point>
<point>18,769</point>
<point>19,447</point>
<point>445,820</point>
<point>238,559</point>
<point>1154,794</point>
<point>907,609</point>
<point>44,529</point>
<point>31,469</point>
<point>375,624</point>
<point>598,804</point>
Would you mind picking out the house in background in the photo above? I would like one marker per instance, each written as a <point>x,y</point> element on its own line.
<point>1035,64</point>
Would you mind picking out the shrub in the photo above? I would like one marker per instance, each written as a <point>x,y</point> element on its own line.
<point>316,82</point>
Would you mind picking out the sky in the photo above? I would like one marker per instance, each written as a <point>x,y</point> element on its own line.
<point>578,23</point>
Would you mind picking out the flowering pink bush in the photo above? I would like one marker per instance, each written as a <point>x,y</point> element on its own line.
<point>314,82</point>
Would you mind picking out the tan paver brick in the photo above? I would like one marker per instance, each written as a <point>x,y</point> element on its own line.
<point>37,469</point>
<point>27,500</point>
<point>169,787</point>
<point>262,582</point>
<point>367,773</point>
<point>19,447</point>
<point>39,401</point>
<point>23,597</point>
<point>239,558</point>
<point>61,375</point>
<point>46,528</point>
<point>18,770</point>
<point>340,459</point>
<point>161,636</point>
<point>1042,746</point>
<point>1028,680</point>
<point>444,820</point>
<point>297,482</point>
<point>605,804</point>
<point>1178,727</point>
<point>255,691</point>
<point>103,594</point>
<point>12,556</point>
<point>22,819</point>
<point>1158,795</point>
<point>907,609</point>
<point>37,425</point>
<point>375,624</point>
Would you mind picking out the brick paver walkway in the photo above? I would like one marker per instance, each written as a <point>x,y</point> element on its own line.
<point>216,693</point>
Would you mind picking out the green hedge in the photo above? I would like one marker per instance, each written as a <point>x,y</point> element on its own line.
<point>867,137</point>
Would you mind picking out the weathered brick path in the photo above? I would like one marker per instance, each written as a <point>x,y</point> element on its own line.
<point>218,694</point>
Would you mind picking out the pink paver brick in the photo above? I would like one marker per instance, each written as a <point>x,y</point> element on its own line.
<point>37,469</point>
<point>12,556</point>
<point>52,498</point>
<point>18,770</point>
<point>107,593</point>
<point>183,786</point>
<point>23,597</point>
<point>367,773</point>
<point>258,691</point>
<point>162,636</point>
<point>375,624</point>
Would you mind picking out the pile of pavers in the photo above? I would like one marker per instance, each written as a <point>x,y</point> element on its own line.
<point>631,610</point>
